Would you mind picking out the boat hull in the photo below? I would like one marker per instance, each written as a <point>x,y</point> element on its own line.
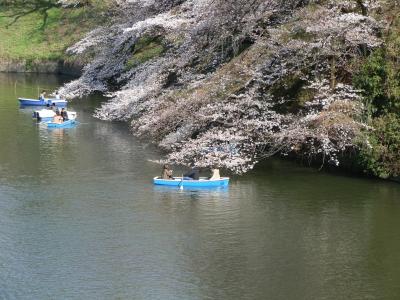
<point>65,124</point>
<point>36,102</point>
<point>203,182</point>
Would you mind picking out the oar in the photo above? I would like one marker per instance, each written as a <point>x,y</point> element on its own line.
<point>181,183</point>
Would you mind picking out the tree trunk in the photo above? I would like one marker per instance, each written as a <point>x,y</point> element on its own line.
<point>364,9</point>
<point>333,72</point>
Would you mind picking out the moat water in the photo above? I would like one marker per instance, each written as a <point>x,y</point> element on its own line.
<point>80,219</point>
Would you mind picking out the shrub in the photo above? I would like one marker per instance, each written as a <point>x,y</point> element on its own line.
<point>379,78</point>
<point>380,150</point>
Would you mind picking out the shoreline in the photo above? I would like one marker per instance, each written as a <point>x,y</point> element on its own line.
<point>60,67</point>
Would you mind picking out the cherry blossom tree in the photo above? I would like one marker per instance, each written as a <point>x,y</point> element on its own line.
<point>236,81</point>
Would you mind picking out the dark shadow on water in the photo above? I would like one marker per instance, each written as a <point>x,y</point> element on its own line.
<point>282,167</point>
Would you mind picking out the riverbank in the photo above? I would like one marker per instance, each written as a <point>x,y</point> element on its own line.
<point>253,95</point>
<point>41,66</point>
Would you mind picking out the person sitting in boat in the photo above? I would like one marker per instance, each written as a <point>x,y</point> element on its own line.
<point>193,174</point>
<point>58,97</point>
<point>166,173</point>
<point>215,174</point>
<point>64,114</point>
<point>57,118</point>
<point>42,95</point>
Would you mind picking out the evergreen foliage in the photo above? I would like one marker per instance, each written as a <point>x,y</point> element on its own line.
<point>379,78</point>
<point>380,155</point>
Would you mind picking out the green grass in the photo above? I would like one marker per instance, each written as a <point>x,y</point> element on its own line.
<point>25,40</point>
<point>145,49</point>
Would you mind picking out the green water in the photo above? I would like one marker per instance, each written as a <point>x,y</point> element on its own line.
<point>80,219</point>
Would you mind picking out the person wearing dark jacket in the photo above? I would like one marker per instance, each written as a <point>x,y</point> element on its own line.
<point>194,174</point>
<point>166,173</point>
<point>64,114</point>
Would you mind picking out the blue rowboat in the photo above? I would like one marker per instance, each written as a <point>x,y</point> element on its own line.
<point>202,182</point>
<point>66,124</point>
<point>42,102</point>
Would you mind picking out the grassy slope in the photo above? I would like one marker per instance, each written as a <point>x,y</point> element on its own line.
<point>24,40</point>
